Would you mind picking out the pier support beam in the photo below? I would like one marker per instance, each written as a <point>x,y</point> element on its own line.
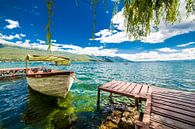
<point>136,98</point>
<point>98,99</point>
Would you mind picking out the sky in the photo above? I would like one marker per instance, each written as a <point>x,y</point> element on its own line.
<point>22,23</point>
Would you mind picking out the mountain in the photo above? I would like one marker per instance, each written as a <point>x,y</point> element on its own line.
<point>109,59</point>
<point>14,53</point>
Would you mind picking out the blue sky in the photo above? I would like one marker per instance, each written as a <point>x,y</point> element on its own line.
<point>22,23</point>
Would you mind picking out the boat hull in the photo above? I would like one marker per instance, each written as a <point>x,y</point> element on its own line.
<point>52,85</point>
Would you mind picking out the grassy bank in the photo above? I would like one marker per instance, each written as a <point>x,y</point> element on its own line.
<point>10,53</point>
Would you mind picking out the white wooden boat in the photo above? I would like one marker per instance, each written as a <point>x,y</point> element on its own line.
<point>50,82</point>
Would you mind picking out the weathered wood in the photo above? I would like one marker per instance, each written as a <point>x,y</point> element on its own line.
<point>119,86</point>
<point>144,89</point>
<point>98,99</point>
<point>137,89</point>
<point>114,84</point>
<point>174,109</point>
<point>170,122</point>
<point>179,94</point>
<point>108,84</point>
<point>164,109</point>
<point>157,125</point>
<point>173,99</point>
<point>175,95</point>
<point>146,118</point>
<point>174,105</point>
<point>175,116</point>
<point>130,88</point>
<point>124,87</point>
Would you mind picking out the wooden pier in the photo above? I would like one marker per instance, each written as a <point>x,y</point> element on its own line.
<point>165,108</point>
<point>12,72</point>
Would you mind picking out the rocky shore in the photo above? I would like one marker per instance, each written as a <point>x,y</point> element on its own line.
<point>121,117</point>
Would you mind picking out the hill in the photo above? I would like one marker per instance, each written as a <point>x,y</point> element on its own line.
<point>14,53</point>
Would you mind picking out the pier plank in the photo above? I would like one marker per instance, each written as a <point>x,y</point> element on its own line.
<point>137,89</point>
<point>171,123</point>
<point>172,98</point>
<point>173,115</point>
<point>144,89</point>
<point>130,88</point>
<point>174,105</point>
<point>174,109</point>
<point>108,84</point>
<point>187,98</point>
<point>119,86</point>
<point>165,108</point>
<point>124,87</point>
<point>175,102</point>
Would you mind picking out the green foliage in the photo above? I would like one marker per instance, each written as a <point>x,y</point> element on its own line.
<point>114,12</point>
<point>50,6</point>
<point>8,53</point>
<point>139,14</point>
<point>190,7</point>
<point>94,2</point>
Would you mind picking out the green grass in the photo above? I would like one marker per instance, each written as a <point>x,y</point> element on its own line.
<point>10,53</point>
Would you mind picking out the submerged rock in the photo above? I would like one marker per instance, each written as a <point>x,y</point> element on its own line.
<point>121,119</point>
<point>115,116</point>
<point>108,125</point>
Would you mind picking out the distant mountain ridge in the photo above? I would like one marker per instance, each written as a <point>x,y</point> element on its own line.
<point>14,53</point>
<point>110,59</point>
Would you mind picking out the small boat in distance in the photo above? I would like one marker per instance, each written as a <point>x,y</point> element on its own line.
<point>47,81</point>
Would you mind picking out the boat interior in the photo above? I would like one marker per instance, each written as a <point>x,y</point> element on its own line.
<point>43,70</point>
<point>40,70</point>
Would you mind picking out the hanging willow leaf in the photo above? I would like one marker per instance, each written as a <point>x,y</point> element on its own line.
<point>94,3</point>
<point>114,12</point>
<point>139,15</point>
<point>50,6</point>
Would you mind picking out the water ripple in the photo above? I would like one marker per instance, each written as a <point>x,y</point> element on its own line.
<point>22,108</point>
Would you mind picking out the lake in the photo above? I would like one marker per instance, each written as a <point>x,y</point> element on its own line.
<point>20,107</point>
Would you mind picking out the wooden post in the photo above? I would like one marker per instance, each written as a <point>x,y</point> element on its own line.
<point>136,101</point>
<point>110,98</point>
<point>98,99</point>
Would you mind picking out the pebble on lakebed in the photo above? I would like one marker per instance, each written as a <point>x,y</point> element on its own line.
<point>121,119</point>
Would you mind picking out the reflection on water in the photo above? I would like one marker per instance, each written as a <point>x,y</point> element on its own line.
<point>22,108</point>
<point>49,112</point>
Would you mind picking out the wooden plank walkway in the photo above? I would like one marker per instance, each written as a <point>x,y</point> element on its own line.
<point>172,109</point>
<point>165,108</point>
<point>137,91</point>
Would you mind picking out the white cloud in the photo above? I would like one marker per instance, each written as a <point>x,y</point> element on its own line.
<point>10,37</point>
<point>184,54</point>
<point>22,35</point>
<point>53,41</point>
<point>167,50</point>
<point>186,25</point>
<point>12,24</point>
<point>96,51</point>
<point>41,41</point>
<point>187,44</point>
<point>158,54</point>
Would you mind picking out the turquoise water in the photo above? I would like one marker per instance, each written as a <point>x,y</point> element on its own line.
<point>20,107</point>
